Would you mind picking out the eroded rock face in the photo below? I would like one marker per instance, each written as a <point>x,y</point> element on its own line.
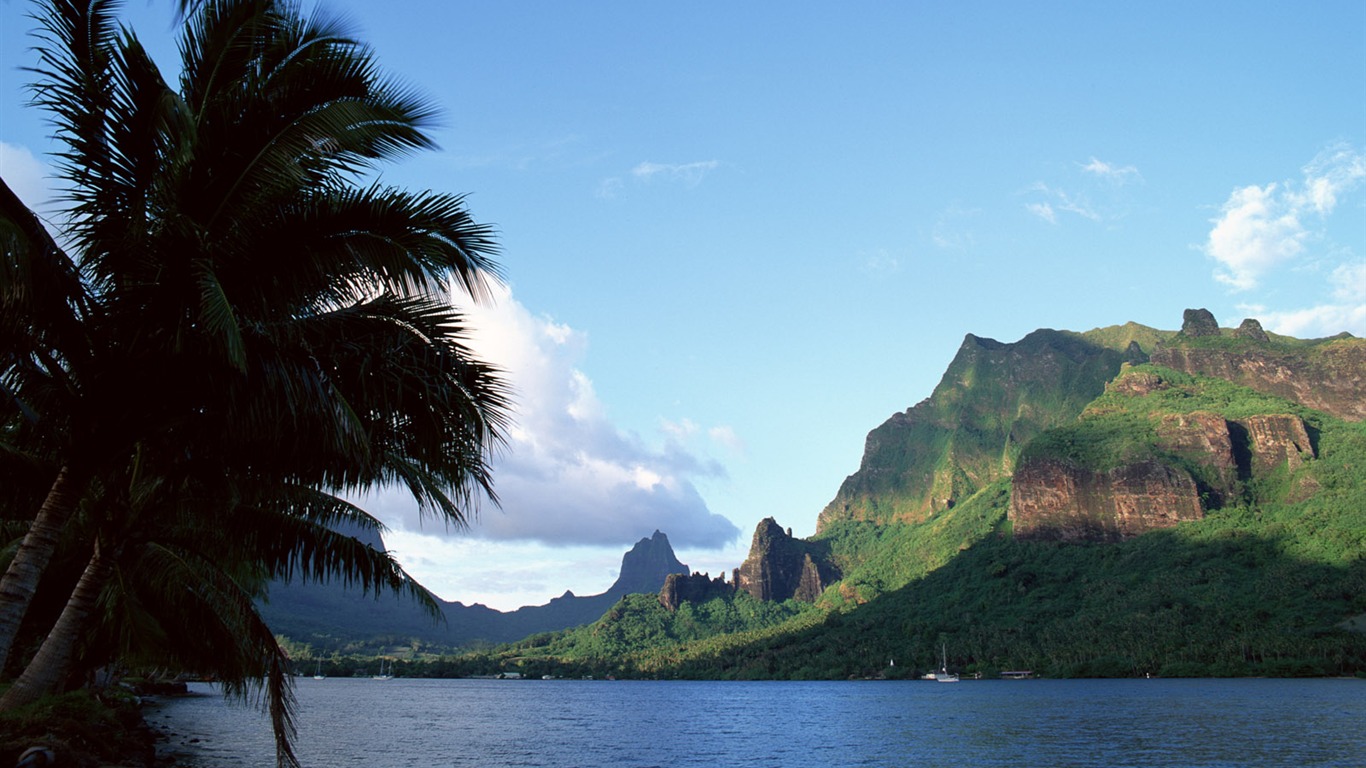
<point>1055,500</point>
<point>1329,376</point>
<point>780,567</point>
<point>1251,329</point>
<point>1138,384</point>
<point>1207,439</point>
<point>1276,439</point>
<point>1333,382</point>
<point>698,588</point>
<point>1199,322</point>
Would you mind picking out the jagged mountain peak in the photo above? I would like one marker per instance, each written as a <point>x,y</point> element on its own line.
<point>645,566</point>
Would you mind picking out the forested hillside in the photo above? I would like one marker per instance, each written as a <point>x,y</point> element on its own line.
<point>1174,523</point>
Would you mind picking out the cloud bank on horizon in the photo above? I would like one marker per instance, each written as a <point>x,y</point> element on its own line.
<point>1263,231</point>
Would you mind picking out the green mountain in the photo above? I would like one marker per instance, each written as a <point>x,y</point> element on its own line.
<point>992,400</point>
<point>1123,501</point>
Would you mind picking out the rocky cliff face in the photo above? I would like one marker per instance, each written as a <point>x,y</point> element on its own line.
<point>1277,439</point>
<point>681,588</point>
<point>1196,461</point>
<point>1328,375</point>
<point>1056,500</point>
<point>780,567</point>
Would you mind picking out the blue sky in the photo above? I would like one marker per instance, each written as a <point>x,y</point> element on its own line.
<point>738,236</point>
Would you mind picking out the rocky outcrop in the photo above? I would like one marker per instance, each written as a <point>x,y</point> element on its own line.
<point>1138,384</point>
<point>1277,439</point>
<point>1251,329</point>
<point>780,567</point>
<point>1207,440</point>
<point>1053,499</point>
<point>1199,322</point>
<point>1327,375</point>
<point>681,588</point>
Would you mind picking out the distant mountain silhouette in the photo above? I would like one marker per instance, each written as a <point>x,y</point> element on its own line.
<point>332,617</point>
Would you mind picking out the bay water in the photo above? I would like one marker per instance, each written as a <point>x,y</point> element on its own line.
<point>643,724</point>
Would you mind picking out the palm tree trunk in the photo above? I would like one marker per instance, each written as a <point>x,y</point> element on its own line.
<point>25,571</point>
<point>53,663</point>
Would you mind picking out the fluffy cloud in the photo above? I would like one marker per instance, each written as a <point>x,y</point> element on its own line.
<point>26,175</point>
<point>568,475</point>
<point>1258,230</point>
<point>1261,228</point>
<point>1345,312</point>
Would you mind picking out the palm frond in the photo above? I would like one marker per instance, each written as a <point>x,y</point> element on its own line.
<point>209,622</point>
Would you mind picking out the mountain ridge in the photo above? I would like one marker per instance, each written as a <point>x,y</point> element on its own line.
<point>1104,515</point>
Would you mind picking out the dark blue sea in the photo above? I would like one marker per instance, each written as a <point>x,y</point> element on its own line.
<point>562,723</point>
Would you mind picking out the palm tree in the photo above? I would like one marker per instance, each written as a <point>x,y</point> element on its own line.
<point>254,311</point>
<point>43,303</point>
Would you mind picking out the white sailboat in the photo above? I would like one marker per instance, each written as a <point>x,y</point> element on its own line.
<point>382,675</point>
<point>318,675</point>
<point>944,675</point>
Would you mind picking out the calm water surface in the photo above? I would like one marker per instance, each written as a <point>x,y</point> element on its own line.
<point>562,723</point>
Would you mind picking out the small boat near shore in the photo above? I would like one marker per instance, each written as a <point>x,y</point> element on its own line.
<point>945,676</point>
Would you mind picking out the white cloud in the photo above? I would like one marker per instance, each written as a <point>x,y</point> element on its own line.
<point>687,174</point>
<point>568,475</point>
<point>1261,228</point>
<point>1101,201</point>
<point>27,176</point>
<point>679,430</point>
<point>1333,172</point>
<point>1059,201</point>
<point>726,436</point>
<point>1317,322</point>
<point>1346,311</point>
<point>501,574</point>
<point>1043,211</point>
<point>691,174</point>
<point>1119,174</point>
<point>1258,230</point>
<point>1349,282</point>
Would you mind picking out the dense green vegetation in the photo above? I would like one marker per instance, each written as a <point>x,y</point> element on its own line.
<point>1118,337</point>
<point>1265,584</point>
<point>993,399</point>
